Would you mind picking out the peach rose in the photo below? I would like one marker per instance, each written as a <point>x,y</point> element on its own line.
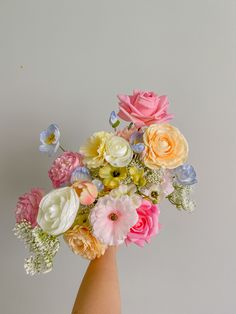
<point>165,147</point>
<point>82,242</point>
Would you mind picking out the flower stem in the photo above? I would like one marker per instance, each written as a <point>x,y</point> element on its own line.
<point>62,148</point>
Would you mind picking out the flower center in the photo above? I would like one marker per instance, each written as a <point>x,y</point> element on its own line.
<point>154,194</point>
<point>113,216</point>
<point>50,139</point>
<point>115,173</point>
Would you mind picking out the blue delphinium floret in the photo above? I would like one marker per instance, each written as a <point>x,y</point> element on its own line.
<point>50,140</point>
<point>185,175</point>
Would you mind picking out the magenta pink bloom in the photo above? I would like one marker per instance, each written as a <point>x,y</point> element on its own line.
<point>144,108</point>
<point>62,168</point>
<point>28,205</point>
<point>147,225</point>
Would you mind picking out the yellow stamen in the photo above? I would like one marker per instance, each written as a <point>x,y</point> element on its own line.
<point>50,139</point>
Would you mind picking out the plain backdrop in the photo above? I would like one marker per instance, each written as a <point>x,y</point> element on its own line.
<point>65,62</point>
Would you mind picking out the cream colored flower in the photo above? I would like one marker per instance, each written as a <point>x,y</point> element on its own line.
<point>57,210</point>
<point>82,242</point>
<point>118,152</point>
<point>165,147</point>
<point>94,149</point>
<point>127,189</point>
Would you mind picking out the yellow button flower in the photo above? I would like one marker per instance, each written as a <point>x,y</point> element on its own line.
<point>112,175</point>
<point>94,149</point>
<point>165,147</point>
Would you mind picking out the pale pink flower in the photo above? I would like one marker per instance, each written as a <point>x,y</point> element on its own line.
<point>112,219</point>
<point>144,108</point>
<point>126,132</point>
<point>62,168</point>
<point>167,184</point>
<point>147,225</point>
<point>28,205</point>
<point>86,191</point>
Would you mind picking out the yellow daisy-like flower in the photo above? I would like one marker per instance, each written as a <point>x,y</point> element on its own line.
<point>94,149</point>
<point>137,175</point>
<point>112,175</point>
<point>82,242</point>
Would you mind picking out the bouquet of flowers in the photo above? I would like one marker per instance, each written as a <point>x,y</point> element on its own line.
<point>107,193</point>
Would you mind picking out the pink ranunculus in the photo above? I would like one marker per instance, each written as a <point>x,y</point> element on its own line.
<point>144,108</point>
<point>147,225</point>
<point>86,191</point>
<point>62,168</point>
<point>28,205</point>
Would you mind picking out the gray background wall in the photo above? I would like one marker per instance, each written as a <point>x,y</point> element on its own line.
<point>64,62</point>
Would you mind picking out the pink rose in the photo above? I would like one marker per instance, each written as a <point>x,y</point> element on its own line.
<point>62,168</point>
<point>144,108</point>
<point>86,191</point>
<point>147,225</point>
<point>28,205</point>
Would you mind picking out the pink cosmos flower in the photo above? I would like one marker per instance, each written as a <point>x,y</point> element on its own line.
<point>86,191</point>
<point>62,168</point>
<point>28,205</point>
<point>112,219</point>
<point>144,108</point>
<point>147,225</point>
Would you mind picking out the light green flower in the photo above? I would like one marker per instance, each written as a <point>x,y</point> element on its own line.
<point>112,175</point>
<point>137,175</point>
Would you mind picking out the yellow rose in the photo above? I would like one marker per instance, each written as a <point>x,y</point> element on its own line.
<point>165,147</point>
<point>94,149</point>
<point>82,242</point>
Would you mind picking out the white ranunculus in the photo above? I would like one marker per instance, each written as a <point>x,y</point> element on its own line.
<point>57,210</point>
<point>118,152</point>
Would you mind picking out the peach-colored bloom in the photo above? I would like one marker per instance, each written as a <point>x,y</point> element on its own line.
<point>86,191</point>
<point>82,242</point>
<point>165,147</point>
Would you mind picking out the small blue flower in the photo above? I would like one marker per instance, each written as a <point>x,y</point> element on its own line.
<point>49,139</point>
<point>80,174</point>
<point>99,185</point>
<point>185,174</point>
<point>136,142</point>
<point>113,120</point>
